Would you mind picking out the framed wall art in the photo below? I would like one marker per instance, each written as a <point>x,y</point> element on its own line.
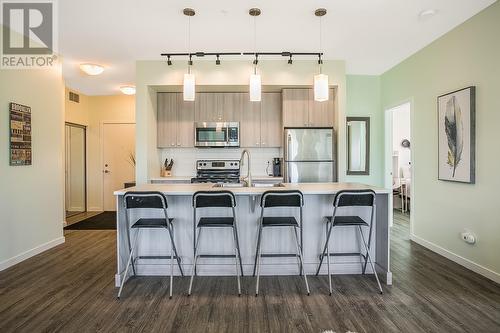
<point>20,134</point>
<point>456,135</point>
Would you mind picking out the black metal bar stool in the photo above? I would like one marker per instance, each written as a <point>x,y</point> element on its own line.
<point>149,200</point>
<point>215,199</point>
<point>274,199</point>
<point>350,199</point>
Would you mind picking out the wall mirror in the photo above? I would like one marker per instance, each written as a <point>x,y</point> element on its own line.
<point>358,145</point>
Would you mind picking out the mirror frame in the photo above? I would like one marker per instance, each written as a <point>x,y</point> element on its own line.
<point>366,171</point>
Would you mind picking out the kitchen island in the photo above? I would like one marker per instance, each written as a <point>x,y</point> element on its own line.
<point>318,202</point>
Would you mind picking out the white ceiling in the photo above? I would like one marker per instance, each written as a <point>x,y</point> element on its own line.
<point>370,35</point>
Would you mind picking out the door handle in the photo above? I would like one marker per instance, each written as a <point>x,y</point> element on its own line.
<point>106,171</point>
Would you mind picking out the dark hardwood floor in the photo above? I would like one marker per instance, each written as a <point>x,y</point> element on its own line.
<point>70,288</point>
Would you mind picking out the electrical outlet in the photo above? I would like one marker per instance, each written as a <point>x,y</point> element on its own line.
<point>468,237</point>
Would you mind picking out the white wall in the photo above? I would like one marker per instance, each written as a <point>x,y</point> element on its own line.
<point>401,131</point>
<point>467,55</point>
<point>32,197</point>
<point>154,75</point>
<point>185,158</point>
<point>93,111</point>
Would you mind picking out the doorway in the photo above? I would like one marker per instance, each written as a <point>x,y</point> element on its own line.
<point>75,169</point>
<point>399,163</point>
<point>118,159</point>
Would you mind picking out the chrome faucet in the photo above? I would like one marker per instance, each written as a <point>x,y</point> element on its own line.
<point>248,178</point>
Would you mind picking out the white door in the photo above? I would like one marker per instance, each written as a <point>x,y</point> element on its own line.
<point>118,151</point>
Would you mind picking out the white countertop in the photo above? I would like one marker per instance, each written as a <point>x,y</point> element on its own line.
<point>188,178</point>
<point>305,188</point>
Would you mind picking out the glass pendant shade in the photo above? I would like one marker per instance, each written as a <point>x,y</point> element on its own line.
<point>189,87</point>
<point>320,87</point>
<point>255,88</point>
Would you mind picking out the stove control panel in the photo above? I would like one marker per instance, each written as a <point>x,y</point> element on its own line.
<point>217,165</point>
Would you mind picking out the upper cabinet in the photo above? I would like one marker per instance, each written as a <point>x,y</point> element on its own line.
<point>218,107</point>
<point>301,110</point>
<point>295,107</point>
<point>261,124</point>
<point>175,121</point>
<point>271,120</point>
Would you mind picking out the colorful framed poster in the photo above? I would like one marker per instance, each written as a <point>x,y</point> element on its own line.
<point>20,134</point>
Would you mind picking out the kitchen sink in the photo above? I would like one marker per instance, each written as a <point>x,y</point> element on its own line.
<point>238,185</point>
<point>268,185</point>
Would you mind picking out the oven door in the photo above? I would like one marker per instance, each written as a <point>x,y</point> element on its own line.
<point>208,134</point>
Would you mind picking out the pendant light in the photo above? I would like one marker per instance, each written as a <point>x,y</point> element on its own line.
<point>321,88</point>
<point>255,81</point>
<point>189,80</point>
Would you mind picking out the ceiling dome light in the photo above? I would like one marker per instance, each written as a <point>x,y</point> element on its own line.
<point>128,90</point>
<point>91,69</point>
<point>427,14</point>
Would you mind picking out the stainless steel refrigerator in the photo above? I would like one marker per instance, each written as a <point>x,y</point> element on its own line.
<point>309,155</point>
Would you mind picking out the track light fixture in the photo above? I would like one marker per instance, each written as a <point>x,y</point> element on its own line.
<point>169,62</point>
<point>290,61</point>
<point>217,62</point>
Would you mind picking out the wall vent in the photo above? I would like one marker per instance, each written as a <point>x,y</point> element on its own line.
<point>74,97</point>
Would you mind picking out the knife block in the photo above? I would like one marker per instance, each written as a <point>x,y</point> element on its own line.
<point>166,173</point>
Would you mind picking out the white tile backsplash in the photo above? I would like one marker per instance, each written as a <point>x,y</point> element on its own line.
<point>185,158</point>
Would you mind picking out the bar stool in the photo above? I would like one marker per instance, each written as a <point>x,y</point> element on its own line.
<point>350,199</point>
<point>215,199</point>
<point>149,200</point>
<point>274,199</point>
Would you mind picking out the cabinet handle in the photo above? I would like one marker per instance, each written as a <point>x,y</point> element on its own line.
<point>263,143</point>
<point>256,143</point>
<point>178,144</point>
<point>172,144</point>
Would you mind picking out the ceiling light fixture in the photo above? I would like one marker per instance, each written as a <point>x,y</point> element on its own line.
<point>217,61</point>
<point>320,80</point>
<point>169,62</point>
<point>189,79</point>
<point>427,14</point>
<point>255,80</point>
<point>290,61</point>
<point>91,69</point>
<point>128,90</point>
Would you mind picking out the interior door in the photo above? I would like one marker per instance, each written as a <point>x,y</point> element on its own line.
<point>75,170</point>
<point>118,151</point>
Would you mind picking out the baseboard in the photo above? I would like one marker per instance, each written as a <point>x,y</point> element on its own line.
<point>30,253</point>
<point>486,272</point>
<point>94,209</point>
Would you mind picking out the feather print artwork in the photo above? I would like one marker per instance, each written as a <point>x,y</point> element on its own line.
<point>454,133</point>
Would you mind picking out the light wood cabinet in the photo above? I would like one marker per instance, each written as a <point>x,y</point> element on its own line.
<point>250,123</point>
<point>295,107</point>
<point>321,113</point>
<point>301,110</point>
<point>208,107</point>
<point>271,127</point>
<point>175,120</point>
<point>260,122</point>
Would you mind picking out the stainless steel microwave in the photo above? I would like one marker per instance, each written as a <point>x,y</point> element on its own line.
<point>217,134</point>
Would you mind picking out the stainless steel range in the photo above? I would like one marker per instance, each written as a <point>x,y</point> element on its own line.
<point>217,171</point>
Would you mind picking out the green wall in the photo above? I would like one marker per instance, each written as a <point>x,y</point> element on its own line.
<point>363,100</point>
<point>468,55</point>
